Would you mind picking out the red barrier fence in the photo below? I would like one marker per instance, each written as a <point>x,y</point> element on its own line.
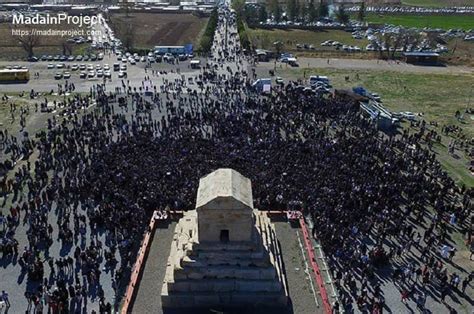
<point>145,246</point>
<point>314,265</point>
<point>138,267</point>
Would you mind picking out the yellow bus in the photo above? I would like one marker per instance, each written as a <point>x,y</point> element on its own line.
<point>14,76</point>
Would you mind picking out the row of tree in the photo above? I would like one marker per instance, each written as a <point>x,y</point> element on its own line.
<point>208,36</point>
<point>294,11</point>
<point>312,11</point>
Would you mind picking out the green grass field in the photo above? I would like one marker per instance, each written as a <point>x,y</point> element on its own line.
<point>434,21</point>
<point>437,3</point>
<point>436,96</point>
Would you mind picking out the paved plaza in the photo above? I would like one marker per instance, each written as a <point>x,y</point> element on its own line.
<point>388,225</point>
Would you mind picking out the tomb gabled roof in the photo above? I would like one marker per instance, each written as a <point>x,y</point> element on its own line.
<point>224,189</point>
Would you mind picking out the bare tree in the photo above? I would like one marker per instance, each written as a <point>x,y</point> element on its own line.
<point>388,40</point>
<point>67,48</point>
<point>126,6</point>
<point>128,35</point>
<point>397,41</point>
<point>29,40</point>
<point>411,38</point>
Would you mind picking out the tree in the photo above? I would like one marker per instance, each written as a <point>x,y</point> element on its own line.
<point>361,13</point>
<point>251,15</point>
<point>342,16</point>
<point>262,14</point>
<point>128,37</point>
<point>312,12</point>
<point>387,39</point>
<point>29,41</point>
<point>238,6</point>
<point>292,10</point>
<point>278,47</point>
<point>67,48</point>
<point>276,10</point>
<point>323,10</point>
<point>127,5</point>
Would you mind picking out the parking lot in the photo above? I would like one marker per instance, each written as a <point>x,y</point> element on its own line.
<point>83,74</point>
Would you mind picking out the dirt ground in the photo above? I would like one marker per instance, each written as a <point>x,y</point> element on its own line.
<point>10,48</point>
<point>153,29</point>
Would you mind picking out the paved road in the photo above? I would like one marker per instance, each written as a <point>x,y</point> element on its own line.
<point>379,65</point>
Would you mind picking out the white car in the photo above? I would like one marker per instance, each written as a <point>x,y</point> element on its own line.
<point>124,60</point>
<point>132,61</point>
<point>82,67</point>
<point>100,73</point>
<point>90,67</point>
<point>408,115</point>
<point>106,67</point>
<point>67,75</point>
<point>107,74</point>
<point>123,67</point>
<point>50,66</point>
<point>59,65</point>
<point>143,59</point>
<point>91,74</point>
<point>122,74</point>
<point>151,59</point>
<point>74,67</point>
<point>168,57</point>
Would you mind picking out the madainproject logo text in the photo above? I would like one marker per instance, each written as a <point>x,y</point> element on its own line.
<point>48,19</point>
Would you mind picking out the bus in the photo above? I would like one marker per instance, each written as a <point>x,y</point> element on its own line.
<point>13,76</point>
<point>174,50</point>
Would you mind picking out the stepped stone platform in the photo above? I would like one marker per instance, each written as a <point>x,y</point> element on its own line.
<point>224,253</point>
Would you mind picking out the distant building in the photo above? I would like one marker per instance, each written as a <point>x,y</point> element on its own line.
<point>367,2</point>
<point>422,58</point>
<point>21,1</point>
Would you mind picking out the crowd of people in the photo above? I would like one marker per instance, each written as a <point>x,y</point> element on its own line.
<point>106,170</point>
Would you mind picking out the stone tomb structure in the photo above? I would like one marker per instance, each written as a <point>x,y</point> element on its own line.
<point>224,253</point>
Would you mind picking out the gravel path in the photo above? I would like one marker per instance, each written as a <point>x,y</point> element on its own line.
<point>148,298</point>
<point>378,65</point>
<point>299,284</point>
